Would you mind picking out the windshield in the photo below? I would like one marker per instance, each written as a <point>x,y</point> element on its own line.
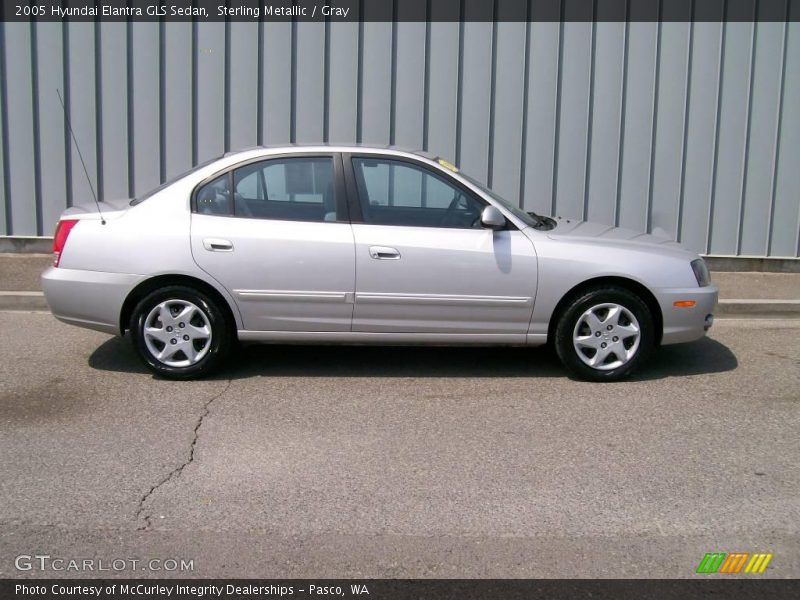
<point>530,219</point>
<point>169,182</point>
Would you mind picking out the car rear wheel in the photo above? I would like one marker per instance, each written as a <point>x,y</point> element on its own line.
<point>604,334</point>
<point>180,332</point>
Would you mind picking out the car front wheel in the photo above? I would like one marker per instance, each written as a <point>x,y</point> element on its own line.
<point>604,334</point>
<point>180,332</point>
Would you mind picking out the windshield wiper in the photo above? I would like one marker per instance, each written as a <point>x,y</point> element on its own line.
<point>539,219</point>
<point>545,223</point>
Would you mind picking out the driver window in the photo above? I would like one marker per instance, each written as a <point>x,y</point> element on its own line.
<point>400,193</point>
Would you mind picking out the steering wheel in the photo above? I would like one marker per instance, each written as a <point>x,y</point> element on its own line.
<point>452,218</point>
<point>449,217</point>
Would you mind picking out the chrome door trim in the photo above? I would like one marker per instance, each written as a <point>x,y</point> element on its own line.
<point>443,299</point>
<point>298,295</point>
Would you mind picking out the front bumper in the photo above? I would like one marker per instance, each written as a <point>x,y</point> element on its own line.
<point>90,299</point>
<point>686,324</point>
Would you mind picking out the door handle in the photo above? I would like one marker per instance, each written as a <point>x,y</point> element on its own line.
<point>217,245</point>
<point>384,253</point>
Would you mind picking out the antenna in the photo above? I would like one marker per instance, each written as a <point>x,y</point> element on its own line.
<point>80,155</point>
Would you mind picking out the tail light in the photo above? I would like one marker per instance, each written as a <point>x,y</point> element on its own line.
<point>60,239</point>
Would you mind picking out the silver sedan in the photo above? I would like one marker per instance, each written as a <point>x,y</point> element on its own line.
<point>338,244</point>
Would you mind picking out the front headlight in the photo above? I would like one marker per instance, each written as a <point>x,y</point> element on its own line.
<point>701,272</point>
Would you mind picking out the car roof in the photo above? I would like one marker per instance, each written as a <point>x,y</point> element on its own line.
<point>302,147</point>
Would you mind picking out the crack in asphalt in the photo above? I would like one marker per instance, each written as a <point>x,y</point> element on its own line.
<point>140,512</point>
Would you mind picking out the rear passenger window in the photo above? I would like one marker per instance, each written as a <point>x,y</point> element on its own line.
<point>214,198</point>
<point>290,189</point>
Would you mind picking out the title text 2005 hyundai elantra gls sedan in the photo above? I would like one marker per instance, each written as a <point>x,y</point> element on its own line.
<point>334,244</point>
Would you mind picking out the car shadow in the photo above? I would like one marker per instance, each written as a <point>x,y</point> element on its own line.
<point>702,357</point>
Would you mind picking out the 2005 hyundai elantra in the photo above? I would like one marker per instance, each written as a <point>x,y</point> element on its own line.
<point>335,244</point>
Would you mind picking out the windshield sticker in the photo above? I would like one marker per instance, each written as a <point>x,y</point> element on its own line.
<point>447,165</point>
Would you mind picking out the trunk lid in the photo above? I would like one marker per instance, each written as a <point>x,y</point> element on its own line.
<point>110,209</point>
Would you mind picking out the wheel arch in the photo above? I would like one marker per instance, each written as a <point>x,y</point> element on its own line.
<point>629,284</point>
<point>159,281</point>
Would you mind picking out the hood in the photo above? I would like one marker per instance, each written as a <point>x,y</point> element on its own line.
<point>586,231</point>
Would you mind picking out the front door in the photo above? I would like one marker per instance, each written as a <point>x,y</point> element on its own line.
<point>275,233</point>
<point>424,264</point>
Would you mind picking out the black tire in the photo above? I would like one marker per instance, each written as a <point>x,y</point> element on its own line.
<point>569,319</point>
<point>214,351</point>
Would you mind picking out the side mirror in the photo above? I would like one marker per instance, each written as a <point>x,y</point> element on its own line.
<point>492,218</point>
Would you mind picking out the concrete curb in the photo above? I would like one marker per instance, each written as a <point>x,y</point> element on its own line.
<point>742,309</point>
<point>789,309</point>
<point>23,301</point>
<point>26,244</point>
<point>757,264</point>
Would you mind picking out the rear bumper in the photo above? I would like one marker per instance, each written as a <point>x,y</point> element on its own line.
<point>90,299</point>
<point>688,323</point>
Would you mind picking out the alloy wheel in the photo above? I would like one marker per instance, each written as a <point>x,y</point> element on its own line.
<point>177,333</point>
<point>606,336</point>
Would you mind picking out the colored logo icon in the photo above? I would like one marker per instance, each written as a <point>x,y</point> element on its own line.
<point>734,563</point>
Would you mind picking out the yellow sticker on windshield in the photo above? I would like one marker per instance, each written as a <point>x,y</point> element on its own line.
<point>447,165</point>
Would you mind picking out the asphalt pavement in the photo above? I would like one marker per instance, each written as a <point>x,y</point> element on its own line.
<point>399,462</point>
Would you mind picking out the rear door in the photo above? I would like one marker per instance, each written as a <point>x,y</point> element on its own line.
<point>275,232</point>
<point>424,264</point>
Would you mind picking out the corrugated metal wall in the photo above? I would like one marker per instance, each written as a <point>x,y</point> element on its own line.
<point>690,128</point>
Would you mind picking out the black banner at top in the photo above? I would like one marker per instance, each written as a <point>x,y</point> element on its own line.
<point>400,10</point>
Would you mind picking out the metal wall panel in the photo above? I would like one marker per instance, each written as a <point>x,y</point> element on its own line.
<point>176,108</point>
<point>509,93</point>
<point>19,129</point>
<point>762,132</point>
<point>701,132</point>
<point>408,88</point>
<point>637,141</point>
<point>50,67</point>
<point>680,127</point>
<point>375,88</point>
<point>309,82</point>
<point>670,115</point>
<point>81,96</point>
<point>442,88</point>
<point>211,80</point>
<point>733,125</point>
<point>606,113</point>
<point>113,111</point>
<point>343,69</point>
<point>278,45</point>
<point>784,236</point>
<point>573,119</point>
<point>5,200</point>
<point>472,152</point>
<point>144,91</point>
<point>242,86</point>
<point>544,62</point>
